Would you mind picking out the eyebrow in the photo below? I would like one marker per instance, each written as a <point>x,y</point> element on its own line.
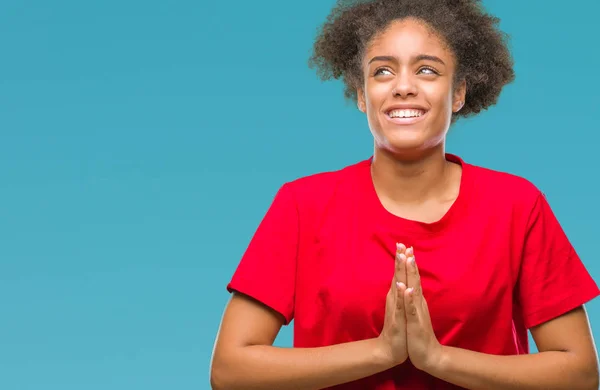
<point>420,57</point>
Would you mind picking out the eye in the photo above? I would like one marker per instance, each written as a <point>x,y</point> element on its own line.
<point>380,70</point>
<point>428,70</point>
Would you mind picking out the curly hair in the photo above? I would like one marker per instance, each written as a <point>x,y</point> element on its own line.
<point>480,48</point>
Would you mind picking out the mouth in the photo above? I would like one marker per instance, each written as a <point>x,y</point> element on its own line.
<point>405,116</point>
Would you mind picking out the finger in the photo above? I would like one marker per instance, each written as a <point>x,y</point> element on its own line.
<point>400,247</point>
<point>412,275</point>
<point>394,287</point>
<point>391,297</point>
<point>400,289</point>
<point>409,305</point>
<point>400,272</point>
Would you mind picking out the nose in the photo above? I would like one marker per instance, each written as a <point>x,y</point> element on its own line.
<point>405,85</point>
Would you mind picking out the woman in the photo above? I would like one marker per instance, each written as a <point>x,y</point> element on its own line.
<point>413,269</point>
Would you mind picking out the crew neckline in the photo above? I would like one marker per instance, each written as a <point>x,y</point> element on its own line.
<point>415,226</point>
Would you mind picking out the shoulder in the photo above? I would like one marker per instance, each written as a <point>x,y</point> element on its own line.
<point>503,187</point>
<point>323,184</point>
<point>323,192</point>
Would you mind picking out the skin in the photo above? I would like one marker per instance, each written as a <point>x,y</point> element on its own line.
<point>566,359</point>
<point>244,357</point>
<point>413,180</point>
<point>410,172</point>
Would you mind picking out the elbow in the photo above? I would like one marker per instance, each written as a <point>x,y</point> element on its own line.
<point>591,378</point>
<point>218,376</point>
<point>215,380</point>
<point>592,382</point>
<point>222,376</point>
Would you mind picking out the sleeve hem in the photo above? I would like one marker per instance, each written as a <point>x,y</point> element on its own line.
<point>559,308</point>
<point>257,296</point>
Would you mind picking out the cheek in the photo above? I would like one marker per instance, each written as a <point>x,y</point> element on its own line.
<point>376,95</point>
<point>440,96</point>
<point>441,104</point>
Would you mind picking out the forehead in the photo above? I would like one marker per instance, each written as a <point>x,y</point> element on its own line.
<point>407,38</point>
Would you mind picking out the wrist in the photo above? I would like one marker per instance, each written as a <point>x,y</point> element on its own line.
<point>382,355</point>
<point>437,361</point>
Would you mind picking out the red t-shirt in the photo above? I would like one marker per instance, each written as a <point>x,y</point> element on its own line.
<point>496,264</point>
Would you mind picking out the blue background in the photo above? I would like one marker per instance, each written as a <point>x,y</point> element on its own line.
<point>141,143</point>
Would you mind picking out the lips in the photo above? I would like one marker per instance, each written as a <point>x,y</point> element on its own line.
<point>405,114</point>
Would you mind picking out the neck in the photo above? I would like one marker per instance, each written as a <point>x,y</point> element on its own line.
<point>411,181</point>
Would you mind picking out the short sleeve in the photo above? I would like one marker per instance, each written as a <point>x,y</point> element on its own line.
<point>552,279</point>
<point>267,270</point>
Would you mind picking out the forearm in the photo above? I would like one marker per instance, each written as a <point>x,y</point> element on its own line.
<point>266,367</point>
<point>545,370</point>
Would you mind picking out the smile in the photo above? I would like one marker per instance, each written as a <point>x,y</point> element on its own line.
<point>405,116</point>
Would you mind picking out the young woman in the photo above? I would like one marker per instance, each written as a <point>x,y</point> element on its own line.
<point>412,269</point>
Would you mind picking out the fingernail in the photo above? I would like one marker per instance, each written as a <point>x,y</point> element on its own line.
<point>410,291</point>
<point>402,257</point>
<point>400,246</point>
<point>399,285</point>
<point>409,251</point>
<point>411,260</point>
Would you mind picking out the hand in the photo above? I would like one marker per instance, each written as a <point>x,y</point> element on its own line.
<point>424,350</point>
<point>393,335</point>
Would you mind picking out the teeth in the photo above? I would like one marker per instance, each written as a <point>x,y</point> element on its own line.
<point>405,113</point>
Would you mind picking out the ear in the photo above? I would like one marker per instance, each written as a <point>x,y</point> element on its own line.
<point>360,100</point>
<point>460,93</point>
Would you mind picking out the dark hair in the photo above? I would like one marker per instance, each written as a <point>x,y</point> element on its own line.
<point>483,58</point>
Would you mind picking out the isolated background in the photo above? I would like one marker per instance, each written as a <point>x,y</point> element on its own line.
<point>141,143</point>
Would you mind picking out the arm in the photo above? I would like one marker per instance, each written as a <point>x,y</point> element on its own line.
<point>567,360</point>
<point>551,277</point>
<point>244,357</point>
<point>567,357</point>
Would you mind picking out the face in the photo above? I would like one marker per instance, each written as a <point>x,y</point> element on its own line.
<point>408,93</point>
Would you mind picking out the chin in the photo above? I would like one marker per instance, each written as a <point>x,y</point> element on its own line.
<point>405,142</point>
<point>403,150</point>
<point>407,149</point>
